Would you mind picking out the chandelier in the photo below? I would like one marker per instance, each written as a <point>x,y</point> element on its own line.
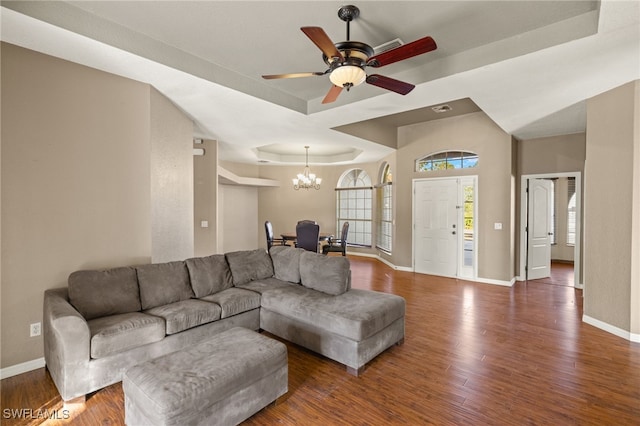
<point>306,179</point>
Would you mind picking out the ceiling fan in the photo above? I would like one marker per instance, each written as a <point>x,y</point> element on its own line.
<point>347,59</point>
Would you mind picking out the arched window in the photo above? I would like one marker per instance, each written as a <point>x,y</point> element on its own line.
<point>384,203</point>
<point>447,160</point>
<point>354,205</point>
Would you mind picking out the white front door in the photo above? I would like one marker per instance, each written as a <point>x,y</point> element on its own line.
<point>436,226</point>
<point>539,229</point>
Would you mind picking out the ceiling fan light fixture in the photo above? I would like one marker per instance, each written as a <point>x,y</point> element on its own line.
<point>347,76</point>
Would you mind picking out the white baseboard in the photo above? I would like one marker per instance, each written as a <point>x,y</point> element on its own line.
<point>25,367</point>
<point>632,337</point>
<point>495,282</point>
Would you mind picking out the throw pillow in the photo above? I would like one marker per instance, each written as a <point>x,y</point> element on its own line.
<point>163,283</point>
<point>328,274</point>
<point>286,263</point>
<point>249,265</point>
<point>102,293</point>
<point>209,274</point>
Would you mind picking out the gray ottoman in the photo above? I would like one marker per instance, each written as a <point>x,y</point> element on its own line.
<point>221,381</point>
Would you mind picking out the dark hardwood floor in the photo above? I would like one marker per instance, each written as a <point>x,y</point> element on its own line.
<point>473,354</point>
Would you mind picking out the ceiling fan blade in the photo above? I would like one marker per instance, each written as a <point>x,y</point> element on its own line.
<point>390,83</point>
<point>332,95</point>
<point>322,40</point>
<point>291,75</point>
<point>406,51</point>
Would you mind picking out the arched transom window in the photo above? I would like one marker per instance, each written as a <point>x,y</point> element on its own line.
<point>447,160</point>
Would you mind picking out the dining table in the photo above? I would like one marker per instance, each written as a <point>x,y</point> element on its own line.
<point>291,236</point>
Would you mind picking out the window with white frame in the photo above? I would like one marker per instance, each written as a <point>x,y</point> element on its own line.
<point>354,205</point>
<point>384,217</point>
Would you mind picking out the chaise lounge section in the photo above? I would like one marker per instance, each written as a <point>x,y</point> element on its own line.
<point>106,322</point>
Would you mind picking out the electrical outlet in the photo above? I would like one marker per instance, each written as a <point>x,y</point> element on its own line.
<point>34,329</point>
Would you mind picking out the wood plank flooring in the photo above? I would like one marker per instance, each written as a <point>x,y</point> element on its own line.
<point>473,354</point>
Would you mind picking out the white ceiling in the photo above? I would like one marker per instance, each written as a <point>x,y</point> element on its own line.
<point>529,65</point>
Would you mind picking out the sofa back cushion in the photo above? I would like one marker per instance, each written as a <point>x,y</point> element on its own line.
<point>163,283</point>
<point>328,274</point>
<point>249,265</point>
<point>209,275</point>
<point>102,293</point>
<point>286,263</point>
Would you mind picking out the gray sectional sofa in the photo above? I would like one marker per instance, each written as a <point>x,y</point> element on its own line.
<point>107,321</point>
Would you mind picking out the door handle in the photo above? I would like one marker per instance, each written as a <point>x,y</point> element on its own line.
<point>453,232</point>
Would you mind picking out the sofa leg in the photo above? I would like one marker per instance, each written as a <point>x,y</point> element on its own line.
<point>355,371</point>
<point>279,400</point>
<point>74,402</point>
<point>400,342</point>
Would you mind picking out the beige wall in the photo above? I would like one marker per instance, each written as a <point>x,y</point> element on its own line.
<point>205,170</point>
<point>556,154</point>
<point>472,132</point>
<point>239,213</point>
<point>171,181</point>
<point>611,212</point>
<point>76,182</point>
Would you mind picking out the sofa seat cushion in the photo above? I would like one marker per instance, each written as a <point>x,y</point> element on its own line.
<point>118,333</point>
<point>356,314</point>
<point>234,301</point>
<point>180,316</point>
<point>259,286</point>
<point>103,293</point>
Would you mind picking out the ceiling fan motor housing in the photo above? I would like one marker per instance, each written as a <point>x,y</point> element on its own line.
<point>355,53</point>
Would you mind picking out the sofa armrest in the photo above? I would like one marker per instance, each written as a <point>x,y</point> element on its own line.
<point>66,341</point>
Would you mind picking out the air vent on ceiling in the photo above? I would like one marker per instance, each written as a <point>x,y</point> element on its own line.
<point>441,108</point>
<point>387,46</point>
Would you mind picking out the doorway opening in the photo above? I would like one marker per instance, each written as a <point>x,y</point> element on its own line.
<point>550,230</point>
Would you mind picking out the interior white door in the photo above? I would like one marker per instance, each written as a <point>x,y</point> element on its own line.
<point>435,234</point>
<point>538,229</point>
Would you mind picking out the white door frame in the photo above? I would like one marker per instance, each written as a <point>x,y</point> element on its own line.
<point>459,226</point>
<point>523,222</point>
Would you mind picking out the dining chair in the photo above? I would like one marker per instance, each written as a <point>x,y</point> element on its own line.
<point>307,221</point>
<point>340,245</point>
<point>308,236</point>
<point>268,229</point>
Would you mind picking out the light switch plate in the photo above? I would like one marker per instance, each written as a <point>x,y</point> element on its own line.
<point>497,226</point>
